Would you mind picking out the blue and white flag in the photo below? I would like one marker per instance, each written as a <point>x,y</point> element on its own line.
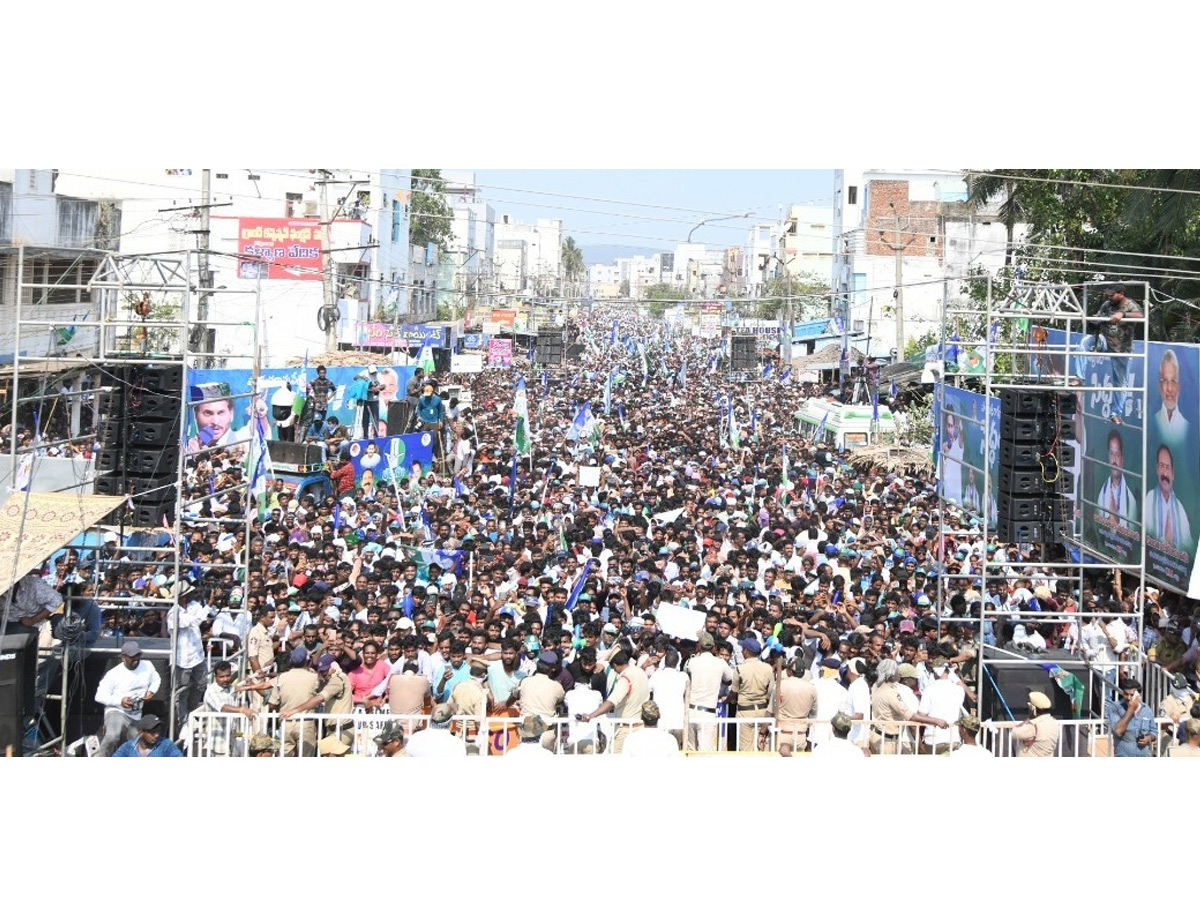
<point>767,370</point>
<point>575,380</point>
<point>895,390</point>
<point>577,588</point>
<point>459,487</point>
<point>581,426</point>
<point>621,412</point>
<point>612,338</point>
<point>682,376</point>
<point>608,386</point>
<point>875,405</point>
<point>545,384</point>
<point>786,376</point>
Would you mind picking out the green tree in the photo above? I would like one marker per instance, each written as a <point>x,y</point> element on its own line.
<point>623,290</point>
<point>429,215</point>
<point>810,296</point>
<point>572,261</point>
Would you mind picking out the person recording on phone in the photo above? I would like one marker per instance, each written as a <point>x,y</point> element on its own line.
<point>1131,721</point>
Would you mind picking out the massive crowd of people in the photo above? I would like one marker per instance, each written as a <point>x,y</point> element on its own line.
<point>651,557</point>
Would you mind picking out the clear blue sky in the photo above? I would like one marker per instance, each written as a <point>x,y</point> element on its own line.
<point>658,208</point>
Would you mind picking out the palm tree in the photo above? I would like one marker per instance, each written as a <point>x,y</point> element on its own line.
<point>572,261</point>
<point>984,187</point>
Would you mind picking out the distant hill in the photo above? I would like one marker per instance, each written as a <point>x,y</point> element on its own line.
<point>606,253</point>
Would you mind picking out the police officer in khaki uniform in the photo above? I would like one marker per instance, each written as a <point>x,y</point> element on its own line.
<point>796,703</point>
<point>260,651</point>
<point>297,691</point>
<point>751,685</point>
<point>541,694</point>
<point>628,696</point>
<point>1038,734</point>
<point>706,673</point>
<point>337,697</point>
<point>888,707</point>
<point>1176,706</point>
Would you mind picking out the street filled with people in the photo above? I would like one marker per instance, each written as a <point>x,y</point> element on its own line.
<point>627,553</point>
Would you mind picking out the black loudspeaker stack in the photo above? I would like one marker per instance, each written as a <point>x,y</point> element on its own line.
<point>550,346</point>
<point>1031,498</point>
<point>743,353</point>
<point>138,434</point>
<point>18,672</point>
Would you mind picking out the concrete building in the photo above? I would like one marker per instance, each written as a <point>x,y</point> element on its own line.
<point>64,237</point>
<point>806,241</point>
<point>919,220</point>
<point>541,275</point>
<point>604,281</point>
<point>472,245</point>
<point>265,226</point>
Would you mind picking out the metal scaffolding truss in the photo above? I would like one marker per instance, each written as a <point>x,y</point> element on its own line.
<point>145,314</point>
<point>1015,331</point>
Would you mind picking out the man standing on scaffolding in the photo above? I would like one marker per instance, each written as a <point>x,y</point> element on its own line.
<point>431,416</point>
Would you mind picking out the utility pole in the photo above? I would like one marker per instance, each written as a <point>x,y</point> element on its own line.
<point>201,341</point>
<point>898,249</point>
<point>330,303</point>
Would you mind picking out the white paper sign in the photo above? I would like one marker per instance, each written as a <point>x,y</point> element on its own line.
<point>676,621</point>
<point>589,476</point>
<point>466,363</point>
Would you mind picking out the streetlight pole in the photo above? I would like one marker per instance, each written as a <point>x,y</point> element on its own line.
<point>698,225</point>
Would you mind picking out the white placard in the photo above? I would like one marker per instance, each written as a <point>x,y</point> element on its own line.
<point>677,621</point>
<point>589,476</point>
<point>466,363</point>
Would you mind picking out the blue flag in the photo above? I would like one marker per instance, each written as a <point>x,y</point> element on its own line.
<point>545,384</point>
<point>767,370</point>
<point>581,424</point>
<point>621,411</point>
<point>895,390</point>
<point>459,487</point>
<point>875,405</point>
<point>824,419</point>
<point>577,589</point>
<point>575,380</point>
<point>608,386</point>
<point>683,375</point>
<point>786,376</point>
<point>337,518</point>
<point>612,339</point>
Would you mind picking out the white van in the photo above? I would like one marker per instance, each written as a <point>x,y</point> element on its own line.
<point>842,424</point>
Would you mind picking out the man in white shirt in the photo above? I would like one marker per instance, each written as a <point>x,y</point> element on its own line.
<point>968,730</point>
<point>668,689</point>
<point>1172,426</point>
<point>650,740</point>
<point>942,699</point>
<point>122,691</point>
<point>187,651</point>
<point>832,699</point>
<point>436,740</point>
<point>858,700</point>
<point>838,743</point>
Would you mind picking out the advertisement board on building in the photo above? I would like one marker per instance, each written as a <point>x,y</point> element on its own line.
<point>387,334</point>
<point>474,341</point>
<point>280,249</point>
<point>500,352</point>
<point>505,318</point>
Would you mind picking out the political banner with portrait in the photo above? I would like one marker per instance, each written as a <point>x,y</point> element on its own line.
<point>1111,494</point>
<point>390,460</point>
<point>1171,504</point>
<point>961,451</point>
<point>218,416</point>
<point>500,352</point>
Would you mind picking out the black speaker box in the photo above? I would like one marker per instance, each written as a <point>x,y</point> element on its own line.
<point>1020,532</point>
<point>1017,507</point>
<point>110,485</point>
<point>147,405</point>
<point>1014,428</point>
<point>160,462</point>
<point>743,352</point>
<point>151,434</point>
<point>1019,456</point>
<point>1020,481</point>
<point>18,672</point>
<point>1014,401</point>
<point>305,457</point>
<point>151,491</point>
<point>167,380</point>
<point>152,516</point>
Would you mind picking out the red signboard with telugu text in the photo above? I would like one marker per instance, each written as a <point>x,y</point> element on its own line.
<point>279,249</point>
